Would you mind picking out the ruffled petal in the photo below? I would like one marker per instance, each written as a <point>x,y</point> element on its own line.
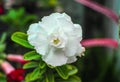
<point>71,59</point>
<point>71,47</point>
<point>77,31</point>
<point>33,29</point>
<point>55,57</point>
<point>65,26</point>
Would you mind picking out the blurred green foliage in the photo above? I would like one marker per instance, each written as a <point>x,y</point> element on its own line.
<point>2,77</point>
<point>48,3</point>
<point>17,20</point>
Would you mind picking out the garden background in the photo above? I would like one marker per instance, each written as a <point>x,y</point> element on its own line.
<point>100,64</point>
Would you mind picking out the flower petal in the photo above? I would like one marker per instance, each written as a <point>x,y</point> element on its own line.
<point>77,31</point>
<point>71,47</point>
<point>33,29</point>
<point>71,59</point>
<point>55,57</point>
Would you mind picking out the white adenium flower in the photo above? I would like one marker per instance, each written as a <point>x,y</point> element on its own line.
<point>57,39</point>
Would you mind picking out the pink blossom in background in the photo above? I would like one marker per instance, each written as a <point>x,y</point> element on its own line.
<point>13,75</point>
<point>100,8</point>
<point>17,58</point>
<point>7,68</point>
<point>107,42</point>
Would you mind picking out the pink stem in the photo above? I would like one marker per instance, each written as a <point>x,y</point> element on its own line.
<point>99,8</point>
<point>100,42</point>
<point>7,68</point>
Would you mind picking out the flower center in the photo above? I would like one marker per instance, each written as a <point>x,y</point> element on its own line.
<point>56,41</point>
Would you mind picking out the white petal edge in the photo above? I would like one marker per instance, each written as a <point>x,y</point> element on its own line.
<point>55,58</point>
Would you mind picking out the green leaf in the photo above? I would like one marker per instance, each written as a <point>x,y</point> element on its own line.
<point>27,78</point>
<point>71,70</point>
<point>42,64</point>
<point>21,38</point>
<point>2,47</point>
<point>66,71</point>
<point>50,77</point>
<point>73,78</point>
<point>35,74</point>
<point>3,37</point>
<point>30,65</point>
<point>32,55</point>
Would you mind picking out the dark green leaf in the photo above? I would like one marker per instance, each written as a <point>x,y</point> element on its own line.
<point>21,38</point>
<point>42,64</point>
<point>66,71</point>
<point>50,76</point>
<point>73,78</point>
<point>32,55</point>
<point>30,65</point>
<point>35,74</point>
<point>62,71</point>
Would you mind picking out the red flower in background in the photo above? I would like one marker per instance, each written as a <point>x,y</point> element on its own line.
<point>1,9</point>
<point>13,75</point>
<point>16,75</point>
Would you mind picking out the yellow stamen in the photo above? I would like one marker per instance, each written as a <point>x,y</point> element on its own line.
<point>56,41</point>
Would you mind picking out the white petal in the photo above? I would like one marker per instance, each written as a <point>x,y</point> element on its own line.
<point>55,58</point>
<point>67,17</point>
<point>42,48</point>
<point>65,26</point>
<point>49,23</point>
<point>32,39</point>
<point>80,51</point>
<point>41,44</point>
<point>77,32</point>
<point>33,29</point>
<point>56,15</point>
<point>71,47</point>
<point>35,33</point>
<point>71,59</point>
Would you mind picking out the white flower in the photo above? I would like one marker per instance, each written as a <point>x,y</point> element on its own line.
<point>57,39</point>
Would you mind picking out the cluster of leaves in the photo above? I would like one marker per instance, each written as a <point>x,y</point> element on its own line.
<point>41,72</point>
<point>17,19</point>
